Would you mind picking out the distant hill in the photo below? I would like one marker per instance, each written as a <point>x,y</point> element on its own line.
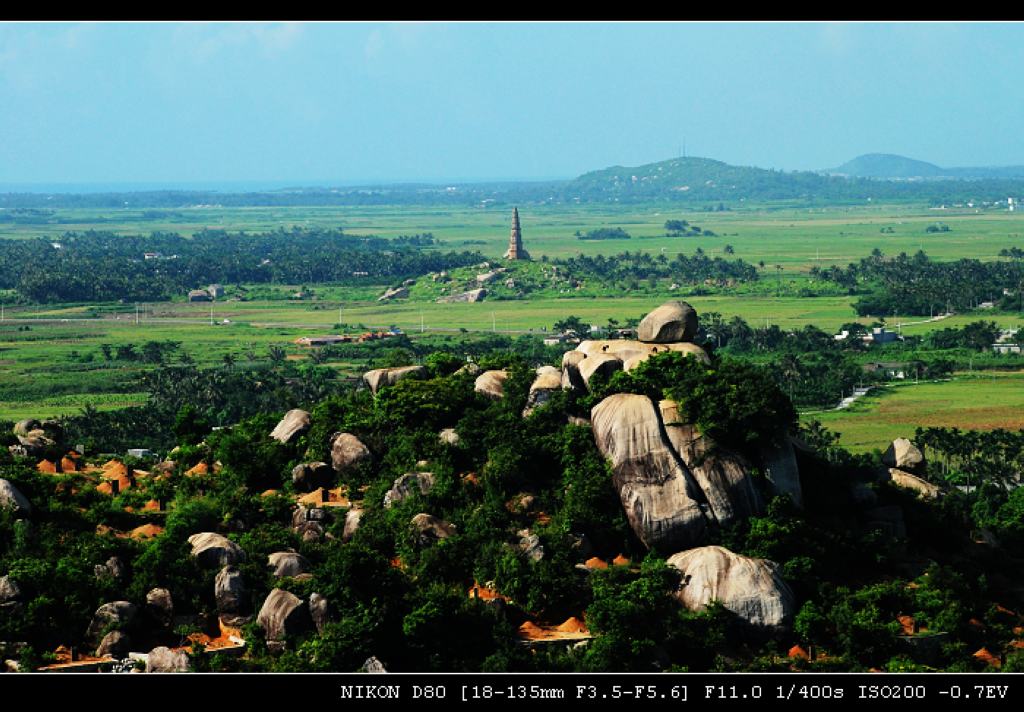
<point>887,166</point>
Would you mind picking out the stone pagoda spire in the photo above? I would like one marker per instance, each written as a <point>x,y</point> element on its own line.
<point>516,251</point>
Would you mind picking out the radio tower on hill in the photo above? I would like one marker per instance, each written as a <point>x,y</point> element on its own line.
<point>516,251</point>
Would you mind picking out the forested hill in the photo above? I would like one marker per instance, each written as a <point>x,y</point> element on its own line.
<point>887,166</point>
<point>695,181</point>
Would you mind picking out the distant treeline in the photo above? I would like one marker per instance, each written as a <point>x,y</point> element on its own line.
<point>697,268</point>
<point>103,266</point>
<point>917,285</point>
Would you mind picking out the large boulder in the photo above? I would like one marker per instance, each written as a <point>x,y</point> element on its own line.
<point>394,293</point>
<point>722,475</point>
<point>380,377</point>
<point>160,607</point>
<point>781,469</point>
<point>605,364</point>
<point>12,498</point>
<point>449,436</point>
<point>287,563</point>
<point>662,502</point>
<point>10,596</point>
<point>674,483</point>
<point>671,322</point>
<point>311,475</point>
<point>283,614</point>
<point>117,615</point>
<point>491,384</point>
<point>923,488</point>
<point>319,610</point>
<point>636,351</point>
<point>231,594</point>
<point>163,659</point>
<point>753,589</point>
<point>347,451</point>
<point>904,455</point>
<point>429,529</point>
<point>115,644</point>
<point>571,378</point>
<point>547,382</point>
<point>473,295</point>
<point>213,550</point>
<point>24,427</point>
<point>406,485</point>
<point>293,424</point>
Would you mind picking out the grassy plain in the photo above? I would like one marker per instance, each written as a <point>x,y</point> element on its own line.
<point>970,401</point>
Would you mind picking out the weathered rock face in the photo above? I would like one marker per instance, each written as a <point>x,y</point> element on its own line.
<point>160,606</point>
<point>547,382</point>
<point>671,322</point>
<point>753,589</point>
<point>529,544</point>
<point>312,475</point>
<point>661,503</point>
<point>231,595</point>
<point>12,498</point>
<point>117,614</point>
<point>116,644</point>
<point>380,377</point>
<point>319,611</point>
<point>473,295</point>
<point>213,550</point>
<point>429,529</point>
<point>605,364</point>
<point>491,384</point>
<point>353,517</point>
<point>113,567</point>
<point>164,659</point>
<point>287,563</point>
<point>673,482</point>
<point>781,469</point>
<point>722,475</point>
<point>627,350</point>
<point>904,455</point>
<point>406,485</point>
<point>283,614</point>
<point>9,590</point>
<point>347,451</point>
<point>923,488</point>
<point>373,665</point>
<point>394,293</point>
<point>24,427</point>
<point>293,424</point>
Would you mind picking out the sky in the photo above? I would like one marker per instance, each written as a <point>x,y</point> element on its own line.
<point>342,103</point>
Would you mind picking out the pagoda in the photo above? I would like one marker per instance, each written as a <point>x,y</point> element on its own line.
<point>516,251</point>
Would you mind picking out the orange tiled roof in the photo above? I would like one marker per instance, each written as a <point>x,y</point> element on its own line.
<point>797,652</point>
<point>595,563</point>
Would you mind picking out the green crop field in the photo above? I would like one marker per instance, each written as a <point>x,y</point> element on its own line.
<point>978,400</point>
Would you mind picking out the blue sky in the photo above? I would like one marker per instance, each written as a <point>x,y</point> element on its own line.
<point>335,102</point>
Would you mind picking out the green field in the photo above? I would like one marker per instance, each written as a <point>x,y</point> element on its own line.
<point>978,400</point>
<point>50,359</point>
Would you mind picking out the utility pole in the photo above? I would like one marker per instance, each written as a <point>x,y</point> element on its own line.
<point>422,328</point>
<point>136,315</point>
<point>494,324</point>
<point>339,314</point>
<point>211,315</point>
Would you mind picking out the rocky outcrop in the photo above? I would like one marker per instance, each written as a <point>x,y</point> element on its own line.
<point>160,607</point>
<point>394,293</point>
<point>287,563</point>
<point>406,485</point>
<point>547,383</point>
<point>10,596</point>
<point>904,455</point>
<point>529,544</point>
<point>312,475</point>
<point>429,529</point>
<point>115,644</point>
<point>347,451</point>
<point>35,437</point>
<point>781,469</point>
<point>231,594</point>
<point>213,550</point>
<point>373,665</point>
<point>12,498</point>
<point>571,378</point>
<point>164,659</point>
<point>310,523</point>
<point>753,589</point>
<point>671,322</point>
<point>473,295</point>
<point>283,614</point>
<point>491,384</point>
<point>923,488</point>
<point>381,377</point>
<point>319,611</point>
<point>673,482</point>
<point>113,567</point>
<point>117,615</point>
<point>293,424</point>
